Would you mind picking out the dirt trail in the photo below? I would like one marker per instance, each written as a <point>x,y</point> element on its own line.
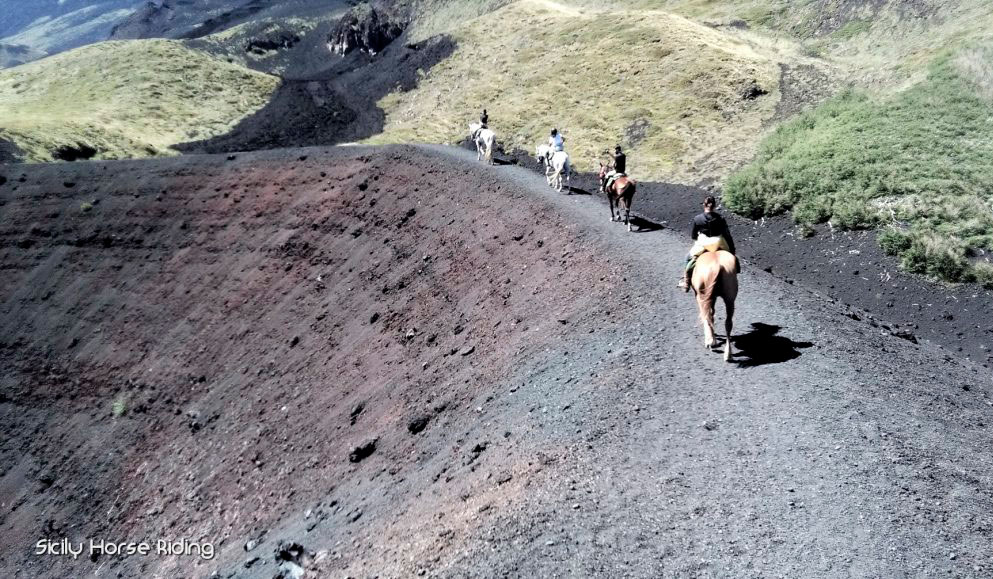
<point>263,321</point>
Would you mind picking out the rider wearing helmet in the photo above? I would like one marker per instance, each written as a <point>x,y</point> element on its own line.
<point>556,141</point>
<point>618,166</point>
<point>710,233</point>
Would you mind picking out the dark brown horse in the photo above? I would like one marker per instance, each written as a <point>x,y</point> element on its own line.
<point>620,194</point>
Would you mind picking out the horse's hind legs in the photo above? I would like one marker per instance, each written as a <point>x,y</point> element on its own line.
<point>707,317</point>
<point>728,324</point>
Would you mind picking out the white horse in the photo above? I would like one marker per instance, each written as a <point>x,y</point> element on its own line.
<point>485,139</point>
<point>558,166</point>
<point>543,154</point>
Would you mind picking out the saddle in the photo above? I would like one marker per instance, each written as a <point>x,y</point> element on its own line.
<point>612,178</point>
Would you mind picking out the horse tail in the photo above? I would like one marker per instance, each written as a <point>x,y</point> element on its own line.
<point>706,299</point>
<point>489,148</point>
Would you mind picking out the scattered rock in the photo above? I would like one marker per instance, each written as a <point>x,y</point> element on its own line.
<point>294,341</point>
<point>292,559</point>
<point>752,91</point>
<point>46,478</point>
<point>374,318</point>
<point>356,411</point>
<point>419,423</point>
<point>74,153</point>
<point>905,335</point>
<point>289,551</point>
<point>467,350</point>
<point>363,451</point>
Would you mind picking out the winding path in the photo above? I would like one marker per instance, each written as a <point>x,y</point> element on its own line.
<point>826,449</point>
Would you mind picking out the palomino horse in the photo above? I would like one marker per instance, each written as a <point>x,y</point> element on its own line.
<point>485,139</point>
<point>558,166</point>
<point>621,194</point>
<point>714,276</point>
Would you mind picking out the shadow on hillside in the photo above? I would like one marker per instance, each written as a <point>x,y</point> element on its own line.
<point>763,345</point>
<point>336,105</point>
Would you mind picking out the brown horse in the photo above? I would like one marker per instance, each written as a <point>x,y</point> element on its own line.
<point>621,193</point>
<point>714,276</point>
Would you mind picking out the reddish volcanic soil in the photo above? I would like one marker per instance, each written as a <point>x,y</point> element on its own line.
<point>408,363</point>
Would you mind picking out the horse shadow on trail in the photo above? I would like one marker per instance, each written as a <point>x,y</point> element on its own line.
<point>762,345</point>
<point>576,190</point>
<point>642,225</point>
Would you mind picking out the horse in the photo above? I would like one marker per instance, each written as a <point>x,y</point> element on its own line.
<point>485,139</point>
<point>558,165</point>
<point>621,193</point>
<point>543,154</point>
<point>715,276</point>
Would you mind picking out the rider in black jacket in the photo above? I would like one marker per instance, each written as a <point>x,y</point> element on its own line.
<point>710,233</point>
<point>618,166</point>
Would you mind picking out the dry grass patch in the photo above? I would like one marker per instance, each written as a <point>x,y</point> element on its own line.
<point>670,89</point>
<point>126,99</point>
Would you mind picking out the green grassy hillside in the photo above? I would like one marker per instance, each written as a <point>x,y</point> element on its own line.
<point>125,99</point>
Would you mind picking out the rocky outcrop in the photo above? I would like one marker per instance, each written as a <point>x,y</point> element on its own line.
<point>272,42</point>
<point>366,29</point>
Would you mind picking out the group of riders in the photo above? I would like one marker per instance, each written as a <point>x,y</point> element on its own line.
<point>709,230</point>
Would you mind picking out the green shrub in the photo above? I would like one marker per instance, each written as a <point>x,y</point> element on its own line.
<point>119,407</point>
<point>894,241</point>
<point>936,257</point>
<point>983,273</point>
<point>922,156</point>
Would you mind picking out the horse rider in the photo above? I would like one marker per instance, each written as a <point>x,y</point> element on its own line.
<point>710,233</point>
<point>556,141</point>
<point>618,165</point>
<point>483,118</point>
